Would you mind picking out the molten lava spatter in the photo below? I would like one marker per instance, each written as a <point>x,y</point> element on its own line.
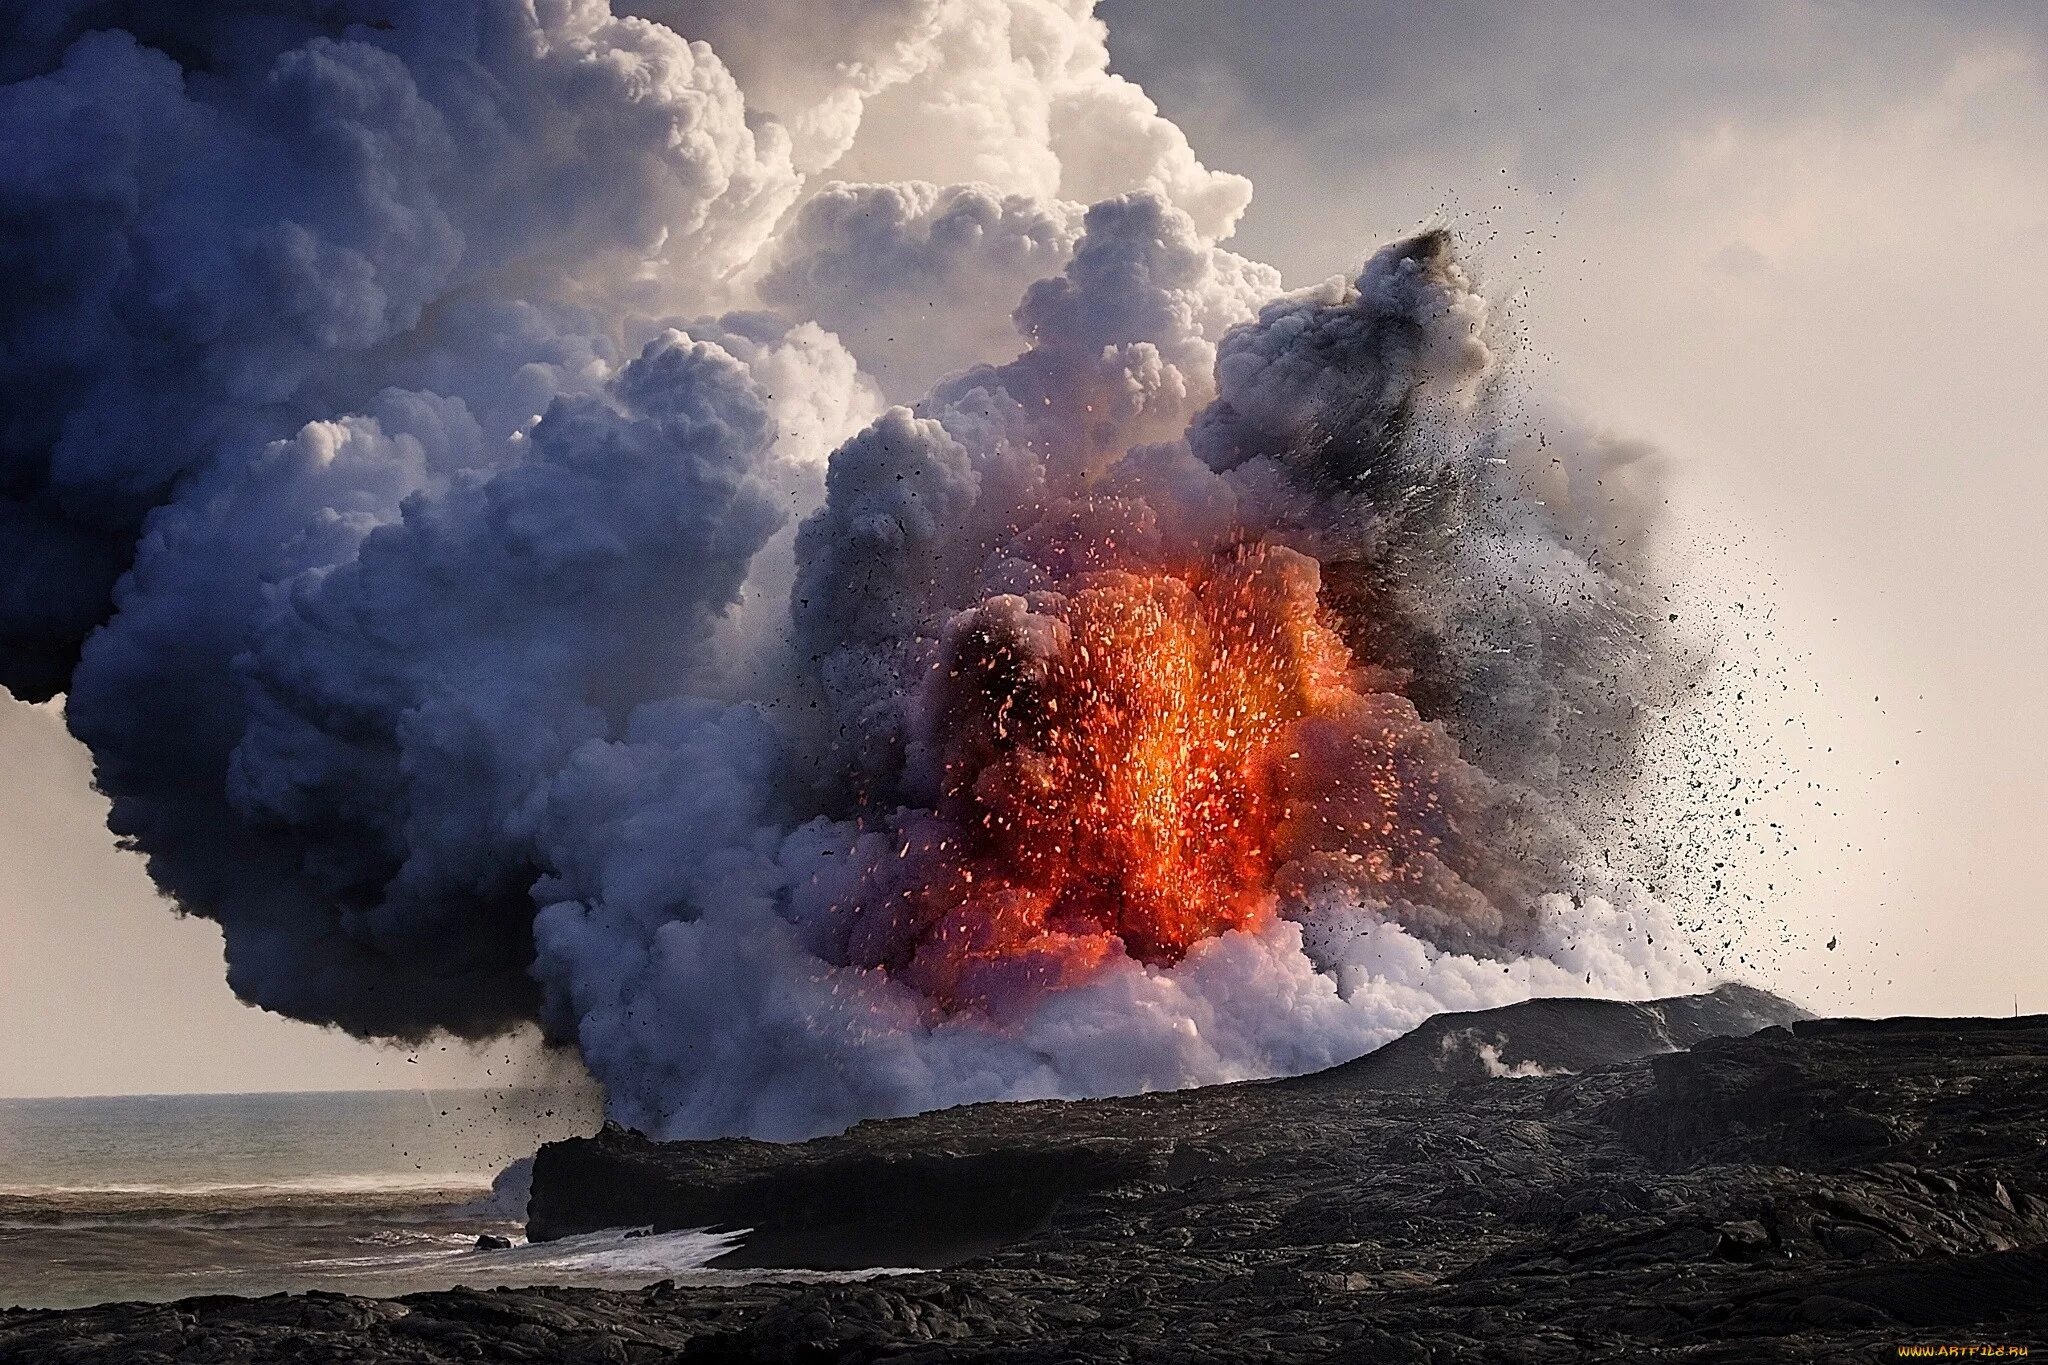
<point>1121,774</point>
<point>1139,789</point>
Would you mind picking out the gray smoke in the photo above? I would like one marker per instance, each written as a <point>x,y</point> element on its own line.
<point>445,468</point>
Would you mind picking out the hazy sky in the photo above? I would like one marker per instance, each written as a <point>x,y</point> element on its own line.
<point>1796,246</point>
<point>1800,248</point>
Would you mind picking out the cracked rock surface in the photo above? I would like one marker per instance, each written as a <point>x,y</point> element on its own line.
<point>1820,1190</point>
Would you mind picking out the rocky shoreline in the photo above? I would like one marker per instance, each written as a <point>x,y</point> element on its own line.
<point>1553,1184</point>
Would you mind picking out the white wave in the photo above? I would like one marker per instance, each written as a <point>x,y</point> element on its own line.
<point>620,1252</point>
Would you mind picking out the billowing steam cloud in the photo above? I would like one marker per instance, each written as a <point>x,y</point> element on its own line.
<point>445,464</point>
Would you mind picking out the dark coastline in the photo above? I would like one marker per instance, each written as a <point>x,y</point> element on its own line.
<point>1820,1190</point>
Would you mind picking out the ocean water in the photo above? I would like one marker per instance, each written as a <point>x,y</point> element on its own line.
<point>375,1192</point>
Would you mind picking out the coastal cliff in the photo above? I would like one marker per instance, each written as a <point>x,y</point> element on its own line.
<point>1819,1189</point>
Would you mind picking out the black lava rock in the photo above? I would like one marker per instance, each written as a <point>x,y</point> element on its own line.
<point>1820,1190</point>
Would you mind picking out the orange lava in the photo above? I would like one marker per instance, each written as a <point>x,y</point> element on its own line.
<point>1116,768</point>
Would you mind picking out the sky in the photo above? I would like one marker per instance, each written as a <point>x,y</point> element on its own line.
<point>1796,247</point>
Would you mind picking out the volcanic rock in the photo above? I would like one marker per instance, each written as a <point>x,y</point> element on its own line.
<point>1554,1037</point>
<point>940,1188</point>
<point>1819,1190</point>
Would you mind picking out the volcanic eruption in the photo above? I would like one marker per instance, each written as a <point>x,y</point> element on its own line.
<point>556,554</point>
<point>1114,771</point>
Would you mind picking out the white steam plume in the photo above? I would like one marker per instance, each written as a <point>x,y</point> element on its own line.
<point>445,464</point>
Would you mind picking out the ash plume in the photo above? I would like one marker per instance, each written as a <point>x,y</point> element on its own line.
<point>450,472</point>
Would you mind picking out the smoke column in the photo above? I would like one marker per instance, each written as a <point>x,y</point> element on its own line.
<point>779,545</point>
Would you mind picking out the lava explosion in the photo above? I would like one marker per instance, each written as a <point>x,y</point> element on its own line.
<point>1115,772</point>
<point>526,545</point>
<point>1129,765</point>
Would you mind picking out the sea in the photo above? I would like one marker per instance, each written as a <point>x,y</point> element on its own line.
<point>155,1197</point>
